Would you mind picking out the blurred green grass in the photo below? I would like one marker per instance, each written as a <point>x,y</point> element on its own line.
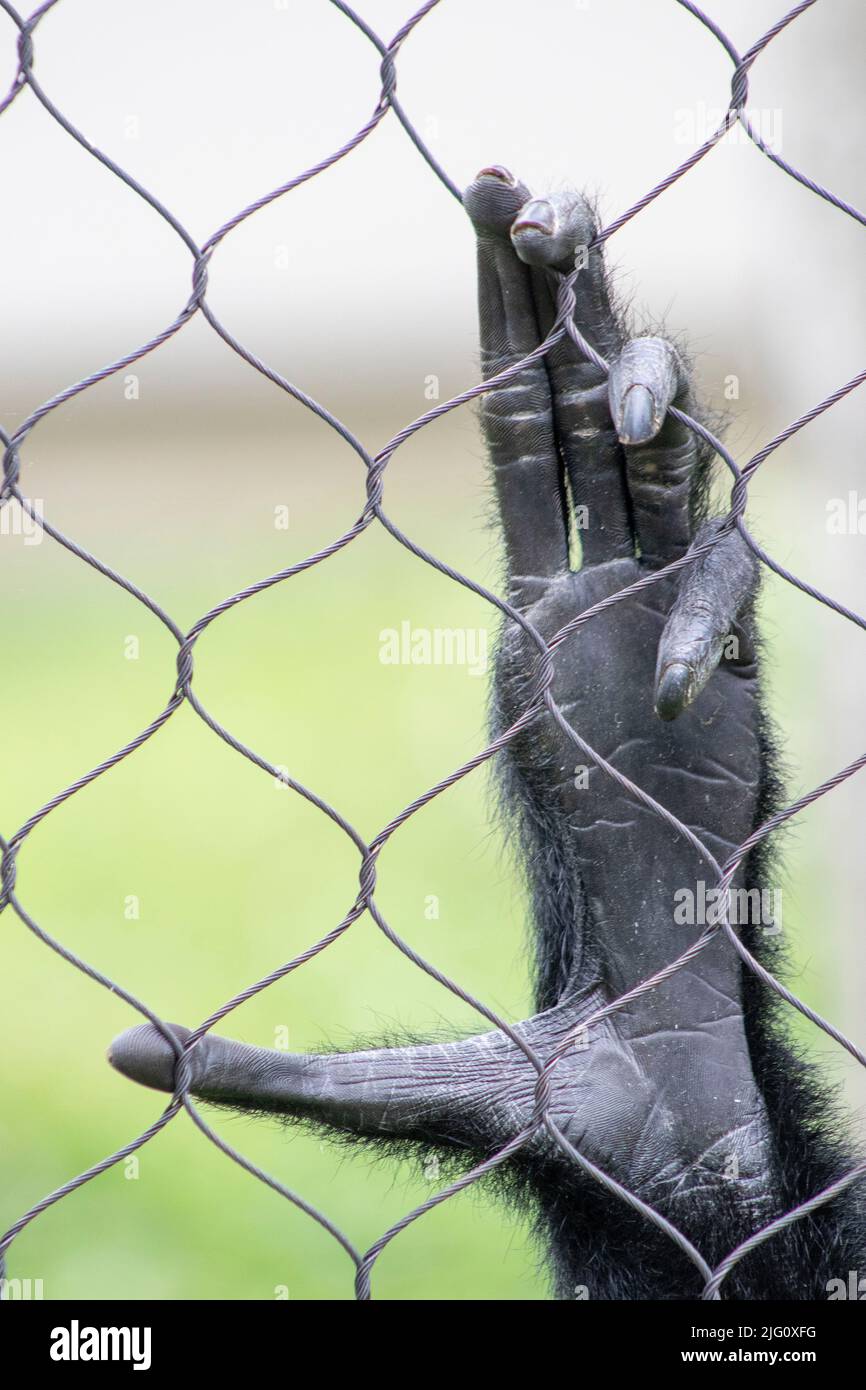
<point>235,874</point>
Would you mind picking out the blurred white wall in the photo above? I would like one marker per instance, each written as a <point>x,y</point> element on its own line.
<point>210,103</point>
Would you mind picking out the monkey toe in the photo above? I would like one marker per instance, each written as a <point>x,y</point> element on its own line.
<point>552,231</point>
<point>493,199</point>
<point>142,1054</point>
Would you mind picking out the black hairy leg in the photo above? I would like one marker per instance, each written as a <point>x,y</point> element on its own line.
<point>689,1097</point>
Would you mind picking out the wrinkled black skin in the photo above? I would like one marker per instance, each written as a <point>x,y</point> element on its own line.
<point>595,1242</point>
<point>698,1071</point>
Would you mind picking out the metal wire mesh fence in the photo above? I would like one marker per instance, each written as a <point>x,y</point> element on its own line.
<point>373,513</point>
